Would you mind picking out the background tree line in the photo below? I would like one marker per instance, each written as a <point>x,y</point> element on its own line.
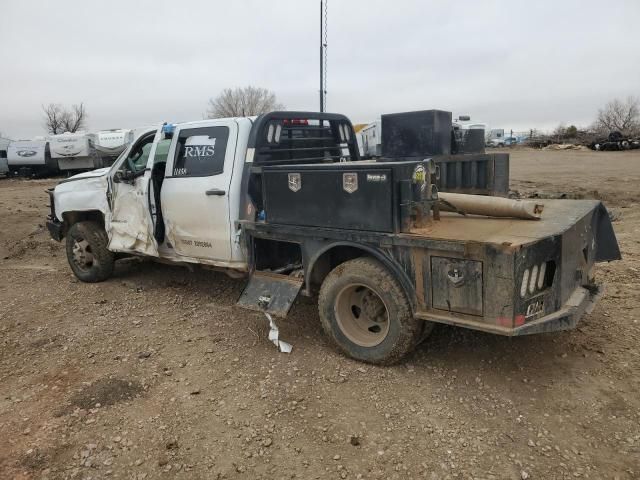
<point>616,116</point>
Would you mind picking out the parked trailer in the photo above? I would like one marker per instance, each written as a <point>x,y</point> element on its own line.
<point>371,137</point>
<point>4,165</point>
<point>74,151</point>
<point>111,143</point>
<point>31,157</point>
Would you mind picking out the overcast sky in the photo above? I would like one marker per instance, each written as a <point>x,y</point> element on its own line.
<point>511,64</point>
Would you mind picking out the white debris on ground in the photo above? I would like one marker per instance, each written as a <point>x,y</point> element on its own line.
<point>274,333</point>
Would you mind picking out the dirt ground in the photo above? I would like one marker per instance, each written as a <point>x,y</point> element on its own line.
<point>156,374</point>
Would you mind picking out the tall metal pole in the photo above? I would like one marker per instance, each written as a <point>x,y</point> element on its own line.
<point>321,62</point>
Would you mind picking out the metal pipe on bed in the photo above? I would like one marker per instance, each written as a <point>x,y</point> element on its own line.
<point>490,206</point>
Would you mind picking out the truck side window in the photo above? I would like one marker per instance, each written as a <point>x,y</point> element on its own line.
<point>162,150</point>
<point>139,155</point>
<point>200,152</point>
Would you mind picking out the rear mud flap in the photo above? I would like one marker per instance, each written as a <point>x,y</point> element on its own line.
<point>270,293</point>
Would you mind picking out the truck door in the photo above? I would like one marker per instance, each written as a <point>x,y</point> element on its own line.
<point>129,225</point>
<point>195,192</point>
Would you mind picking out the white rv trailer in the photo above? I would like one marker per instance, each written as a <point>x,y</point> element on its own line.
<point>74,151</point>
<point>111,143</point>
<point>371,137</point>
<point>31,155</point>
<point>4,165</point>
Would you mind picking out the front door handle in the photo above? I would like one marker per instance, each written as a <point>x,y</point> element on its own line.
<point>215,191</point>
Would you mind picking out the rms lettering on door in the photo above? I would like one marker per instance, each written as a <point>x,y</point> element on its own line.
<point>197,153</point>
<point>200,151</point>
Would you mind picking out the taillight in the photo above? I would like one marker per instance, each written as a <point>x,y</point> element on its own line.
<point>537,278</point>
<point>543,271</point>
<point>525,283</point>
<point>534,277</point>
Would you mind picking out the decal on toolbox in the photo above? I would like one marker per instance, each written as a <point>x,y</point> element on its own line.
<point>350,182</point>
<point>295,182</point>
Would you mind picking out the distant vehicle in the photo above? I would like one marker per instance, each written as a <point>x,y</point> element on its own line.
<point>31,156</point>
<point>503,142</point>
<point>74,151</point>
<point>4,165</point>
<point>615,141</point>
<point>371,140</point>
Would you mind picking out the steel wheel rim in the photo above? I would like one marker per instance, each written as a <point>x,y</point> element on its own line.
<point>82,256</point>
<point>362,315</point>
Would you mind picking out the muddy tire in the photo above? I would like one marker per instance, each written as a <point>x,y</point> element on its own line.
<point>87,252</point>
<point>364,310</point>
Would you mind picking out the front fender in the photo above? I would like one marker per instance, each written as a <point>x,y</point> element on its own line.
<point>81,195</point>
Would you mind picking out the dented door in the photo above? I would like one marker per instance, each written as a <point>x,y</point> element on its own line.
<point>129,224</point>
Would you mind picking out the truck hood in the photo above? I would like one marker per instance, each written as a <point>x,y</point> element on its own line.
<point>99,172</point>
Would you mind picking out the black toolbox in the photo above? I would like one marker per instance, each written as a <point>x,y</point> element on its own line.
<point>370,196</point>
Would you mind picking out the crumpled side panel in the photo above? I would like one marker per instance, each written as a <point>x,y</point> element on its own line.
<point>128,226</point>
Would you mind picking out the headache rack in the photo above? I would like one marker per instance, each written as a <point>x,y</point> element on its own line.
<point>281,138</point>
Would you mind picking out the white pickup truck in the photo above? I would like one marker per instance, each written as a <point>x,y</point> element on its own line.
<point>284,199</point>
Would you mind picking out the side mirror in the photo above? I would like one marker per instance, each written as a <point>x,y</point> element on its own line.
<point>122,177</point>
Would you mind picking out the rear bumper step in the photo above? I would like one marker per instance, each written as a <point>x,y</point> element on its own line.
<point>580,302</point>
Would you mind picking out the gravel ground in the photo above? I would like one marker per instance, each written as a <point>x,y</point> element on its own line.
<point>156,374</point>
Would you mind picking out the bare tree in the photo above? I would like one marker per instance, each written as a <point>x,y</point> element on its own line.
<point>622,116</point>
<point>53,118</point>
<point>243,102</point>
<point>59,119</point>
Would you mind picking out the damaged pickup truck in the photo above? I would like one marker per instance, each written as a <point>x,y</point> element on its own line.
<point>285,200</point>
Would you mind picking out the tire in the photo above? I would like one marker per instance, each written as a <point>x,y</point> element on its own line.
<point>365,312</point>
<point>87,252</point>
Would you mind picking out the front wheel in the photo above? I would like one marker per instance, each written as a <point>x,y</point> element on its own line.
<point>364,310</point>
<point>87,252</point>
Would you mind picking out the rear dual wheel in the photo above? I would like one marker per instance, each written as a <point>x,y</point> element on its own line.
<point>366,313</point>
